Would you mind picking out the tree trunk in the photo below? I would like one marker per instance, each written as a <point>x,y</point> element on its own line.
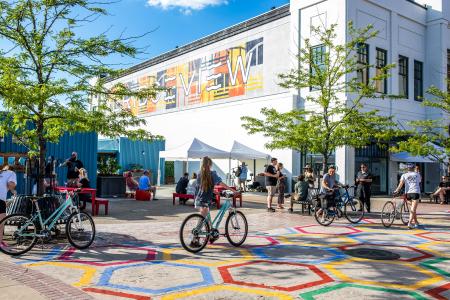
<point>42,152</point>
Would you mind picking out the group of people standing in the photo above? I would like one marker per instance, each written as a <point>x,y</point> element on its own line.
<point>275,180</point>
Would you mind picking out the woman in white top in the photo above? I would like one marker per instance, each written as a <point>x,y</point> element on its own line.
<point>192,185</point>
<point>411,180</point>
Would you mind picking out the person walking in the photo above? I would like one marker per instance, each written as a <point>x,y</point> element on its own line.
<point>271,182</point>
<point>363,188</point>
<point>281,185</point>
<point>309,175</point>
<point>243,177</point>
<point>411,180</point>
<point>8,182</point>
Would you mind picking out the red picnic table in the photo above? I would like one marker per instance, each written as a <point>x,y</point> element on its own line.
<point>218,189</point>
<point>82,191</point>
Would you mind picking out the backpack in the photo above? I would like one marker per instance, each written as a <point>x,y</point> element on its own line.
<point>238,171</point>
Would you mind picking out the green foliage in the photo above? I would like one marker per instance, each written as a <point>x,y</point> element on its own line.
<point>333,120</point>
<point>108,166</point>
<point>45,73</point>
<point>424,134</point>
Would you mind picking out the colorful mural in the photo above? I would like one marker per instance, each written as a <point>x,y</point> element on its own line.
<point>225,74</point>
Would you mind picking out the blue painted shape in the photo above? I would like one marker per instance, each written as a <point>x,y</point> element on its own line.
<point>335,254</point>
<point>54,252</point>
<point>360,238</point>
<point>108,273</point>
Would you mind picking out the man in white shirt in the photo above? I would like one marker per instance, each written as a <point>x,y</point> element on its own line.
<point>8,182</point>
<point>411,180</point>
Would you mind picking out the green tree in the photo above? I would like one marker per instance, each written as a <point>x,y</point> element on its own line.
<point>45,73</point>
<point>425,135</point>
<point>330,119</point>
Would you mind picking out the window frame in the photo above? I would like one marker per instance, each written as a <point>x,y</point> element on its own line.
<point>379,64</point>
<point>403,73</point>
<point>418,80</point>
<point>323,51</point>
<point>363,63</point>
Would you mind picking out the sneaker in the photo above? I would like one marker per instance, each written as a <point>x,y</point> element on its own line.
<point>155,199</point>
<point>194,243</point>
<point>290,210</point>
<point>270,209</point>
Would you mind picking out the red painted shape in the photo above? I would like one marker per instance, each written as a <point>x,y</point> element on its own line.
<point>117,294</point>
<point>151,255</point>
<point>302,230</point>
<point>228,278</point>
<point>436,292</point>
<point>424,235</point>
<point>423,256</point>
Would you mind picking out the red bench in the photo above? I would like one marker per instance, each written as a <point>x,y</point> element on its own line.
<point>101,201</point>
<point>184,196</point>
<point>188,196</point>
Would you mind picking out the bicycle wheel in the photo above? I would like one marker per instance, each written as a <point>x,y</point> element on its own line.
<point>19,235</point>
<point>324,216</point>
<point>80,230</point>
<point>194,233</point>
<point>236,228</point>
<point>388,214</point>
<point>354,210</point>
<point>404,212</point>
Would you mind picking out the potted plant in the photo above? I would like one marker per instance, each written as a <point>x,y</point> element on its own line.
<point>109,182</point>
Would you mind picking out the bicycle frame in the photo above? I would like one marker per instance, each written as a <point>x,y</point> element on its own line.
<point>218,219</point>
<point>50,222</point>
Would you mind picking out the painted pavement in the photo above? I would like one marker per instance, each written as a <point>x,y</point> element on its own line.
<point>145,261</point>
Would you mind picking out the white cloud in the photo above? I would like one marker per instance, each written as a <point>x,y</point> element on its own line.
<point>186,6</point>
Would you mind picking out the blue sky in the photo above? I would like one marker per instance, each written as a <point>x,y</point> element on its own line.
<point>174,22</point>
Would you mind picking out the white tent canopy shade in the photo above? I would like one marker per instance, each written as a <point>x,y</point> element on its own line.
<point>242,152</point>
<point>195,149</point>
<point>406,157</point>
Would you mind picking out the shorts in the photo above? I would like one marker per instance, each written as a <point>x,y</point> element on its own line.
<point>271,190</point>
<point>413,196</point>
<point>2,207</point>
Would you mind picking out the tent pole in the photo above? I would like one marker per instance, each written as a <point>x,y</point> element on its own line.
<point>159,171</point>
<point>187,165</point>
<point>229,171</point>
<point>254,169</point>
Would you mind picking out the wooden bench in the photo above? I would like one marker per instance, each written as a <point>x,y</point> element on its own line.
<point>181,196</point>
<point>101,201</point>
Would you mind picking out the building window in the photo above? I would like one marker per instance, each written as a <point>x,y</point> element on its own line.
<point>363,63</point>
<point>418,80</point>
<point>403,76</point>
<point>317,60</point>
<point>381,85</point>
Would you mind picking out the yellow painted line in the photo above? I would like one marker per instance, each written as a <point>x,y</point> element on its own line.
<point>216,288</point>
<point>422,283</point>
<point>245,256</point>
<point>86,278</point>
<point>426,247</point>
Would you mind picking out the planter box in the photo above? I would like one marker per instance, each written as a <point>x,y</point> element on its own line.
<point>110,186</point>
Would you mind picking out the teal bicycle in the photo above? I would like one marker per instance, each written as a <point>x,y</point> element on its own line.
<point>21,232</point>
<point>196,231</point>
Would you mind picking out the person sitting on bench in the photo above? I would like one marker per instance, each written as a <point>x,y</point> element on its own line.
<point>146,185</point>
<point>441,190</point>
<point>192,185</point>
<point>300,191</point>
<point>181,187</point>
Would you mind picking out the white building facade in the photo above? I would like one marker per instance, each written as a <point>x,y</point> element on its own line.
<point>213,82</point>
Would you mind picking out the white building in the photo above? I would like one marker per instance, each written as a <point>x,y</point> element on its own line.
<point>214,81</point>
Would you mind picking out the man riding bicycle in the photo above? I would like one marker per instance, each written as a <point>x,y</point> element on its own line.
<point>328,189</point>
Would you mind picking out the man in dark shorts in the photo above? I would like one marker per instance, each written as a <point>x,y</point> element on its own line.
<point>364,181</point>
<point>271,182</point>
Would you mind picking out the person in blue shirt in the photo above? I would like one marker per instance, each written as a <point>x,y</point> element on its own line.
<point>146,185</point>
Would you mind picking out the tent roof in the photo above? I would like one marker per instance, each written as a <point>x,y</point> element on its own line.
<point>195,149</point>
<point>241,152</point>
<point>406,157</point>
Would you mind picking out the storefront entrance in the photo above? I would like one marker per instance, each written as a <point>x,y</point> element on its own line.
<point>376,159</point>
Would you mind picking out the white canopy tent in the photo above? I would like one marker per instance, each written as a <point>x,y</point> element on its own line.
<point>192,150</point>
<point>242,152</point>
